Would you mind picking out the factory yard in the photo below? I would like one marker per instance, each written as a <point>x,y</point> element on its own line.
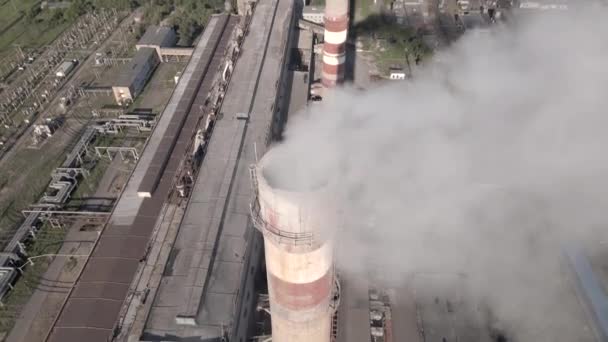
<point>87,100</point>
<point>27,166</point>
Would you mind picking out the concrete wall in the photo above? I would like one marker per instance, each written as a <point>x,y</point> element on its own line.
<point>173,51</point>
<point>248,297</point>
<point>155,47</point>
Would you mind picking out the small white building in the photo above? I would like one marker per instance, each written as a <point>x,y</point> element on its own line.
<point>397,74</point>
<point>314,14</point>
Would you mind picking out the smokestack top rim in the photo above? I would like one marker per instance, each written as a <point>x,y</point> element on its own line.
<point>265,179</point>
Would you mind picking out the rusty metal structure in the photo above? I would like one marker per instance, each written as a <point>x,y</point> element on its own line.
<point>334,48</point>
<point>303,291</point>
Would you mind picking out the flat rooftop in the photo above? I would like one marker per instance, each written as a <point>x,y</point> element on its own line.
<point>131,71</point>
<point>441,307</point>
<point>206,275</point>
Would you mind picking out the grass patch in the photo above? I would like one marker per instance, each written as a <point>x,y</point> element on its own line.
<point>391,43</point>
<point>110,139</point>
<point>32,168</point>
<point>29,33</point>
<point>48,241</point>
<point>364,9</point>
<point>37,169</point>
<point>188,17</point>
<point>97,167</point>
<point>13,9</point>
<point>88,186</point>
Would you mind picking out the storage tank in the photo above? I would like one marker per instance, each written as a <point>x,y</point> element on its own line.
<point>65,68</point>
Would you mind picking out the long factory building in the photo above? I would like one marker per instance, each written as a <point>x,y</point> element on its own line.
<point>206,289</point>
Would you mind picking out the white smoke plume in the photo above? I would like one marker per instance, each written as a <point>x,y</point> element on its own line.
<point>489,161</point>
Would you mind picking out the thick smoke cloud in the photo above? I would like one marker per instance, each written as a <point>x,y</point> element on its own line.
<point>487,163</point>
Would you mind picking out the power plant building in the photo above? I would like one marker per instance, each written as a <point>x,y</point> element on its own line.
<point>65,68</point>
<point>132,80</point>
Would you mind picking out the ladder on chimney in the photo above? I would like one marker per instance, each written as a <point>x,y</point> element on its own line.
<point>254,179</point>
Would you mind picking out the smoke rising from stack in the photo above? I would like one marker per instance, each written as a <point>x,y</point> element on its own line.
<point>490,161</point>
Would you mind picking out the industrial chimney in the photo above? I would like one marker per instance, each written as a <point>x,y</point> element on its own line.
<point>334,47</point>
<point>302,289</point>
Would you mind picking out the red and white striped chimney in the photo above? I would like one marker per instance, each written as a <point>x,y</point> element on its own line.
<point>299,258</point>
<point>334,48</point>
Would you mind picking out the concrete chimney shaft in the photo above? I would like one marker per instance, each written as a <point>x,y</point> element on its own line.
<point>299,262</point>
<point>334,47</point>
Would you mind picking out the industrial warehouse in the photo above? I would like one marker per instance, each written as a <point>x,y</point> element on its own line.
<point>190,233</point>
<point>153,47</point>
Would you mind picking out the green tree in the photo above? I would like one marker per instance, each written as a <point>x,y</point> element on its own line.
<point>56,17</point>
<point>32,13</point>
<point>186,31</point>
<point>76,9</point>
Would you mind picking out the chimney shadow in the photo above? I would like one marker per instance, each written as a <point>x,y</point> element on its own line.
<point>351,48</point>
